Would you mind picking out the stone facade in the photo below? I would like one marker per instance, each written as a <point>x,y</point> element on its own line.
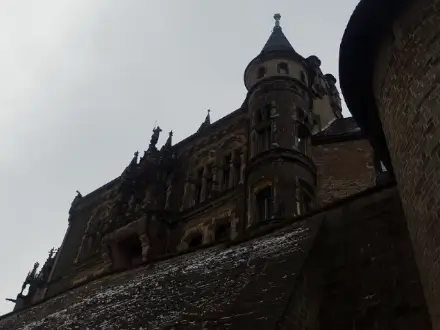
<point>280,203</point>
<point>408,71</point>
<point>347,266</point>
<point>401,89</point>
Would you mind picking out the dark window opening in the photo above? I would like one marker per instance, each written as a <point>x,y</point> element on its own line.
<point>303,77</point>
<point>261,72</point>
<point>223,231</point>
<point>307,202</point>
<point>283,68</point>
<point>266,112</point>
<point>130,250</point>
<point>264,138</point>
<point>306,197</point>
<point>209,182</point>
<point>264,204</point>
<point>195,241</point>
<point>226,171</point>
<point>302,139</point>
<point>198,184</point>
<point>237,166</point>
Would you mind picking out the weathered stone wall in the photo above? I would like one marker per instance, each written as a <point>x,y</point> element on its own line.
<point>244,286</point>
<point>407,93</point>
<point>360,273</point>
<point>370,278</point>
<point>344,168</point>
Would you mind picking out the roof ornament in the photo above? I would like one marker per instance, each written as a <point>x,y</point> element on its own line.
<point>155,137</point>
<point>277,18</point>
<point>207,121</point>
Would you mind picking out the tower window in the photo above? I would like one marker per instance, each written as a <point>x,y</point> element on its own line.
<point>304,197</point>
<point>264,204</point>
<point>223,231</point>
<point>283,68</point>
<point>199,185</point>
<point>237,166</point>
<point>196,240</point>
<point>226,171</point>
<point>264,138</point>
<point>302,138</point>
<point>261,72</point>
<point>209,181</point>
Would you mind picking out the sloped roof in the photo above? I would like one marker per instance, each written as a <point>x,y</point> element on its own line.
<point>341,126</point>
<point>277,42</point>
<point>225,288</point>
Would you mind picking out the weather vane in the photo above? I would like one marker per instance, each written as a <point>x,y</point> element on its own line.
<point>277,18</point>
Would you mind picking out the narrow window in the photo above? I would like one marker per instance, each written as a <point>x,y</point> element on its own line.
<point>283,68</point>
<point>264,138</point>
<point>301,139</point>
<point>199,185</point>
<point>209,181</point>
<point>303,77</point>
<point>195,241</point>
<point>305,197</point>
<point>261,72</point>
<point>264,204</point>
<point>223,231</point>
<point>237,166</point>
<point>226,171</point>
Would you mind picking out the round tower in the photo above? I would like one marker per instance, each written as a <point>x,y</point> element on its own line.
<point>281,177</point>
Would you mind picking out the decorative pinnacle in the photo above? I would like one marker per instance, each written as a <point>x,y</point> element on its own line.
<point>277,18</point>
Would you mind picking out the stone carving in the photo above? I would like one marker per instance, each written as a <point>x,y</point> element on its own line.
<point>75,201</point>
<point>317,77</point>
<point>335,98</point>
<point>168,193</point>
<point>155,137</point>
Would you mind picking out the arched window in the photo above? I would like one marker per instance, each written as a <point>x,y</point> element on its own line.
<point>223,231</point>
<point>195,240</point>
<point>283,68</point>
<point>129,251</point>
<point>261,72</point>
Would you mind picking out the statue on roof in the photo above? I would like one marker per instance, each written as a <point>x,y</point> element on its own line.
<point>317,78</point>
<point>335,98</point>
<point>155,137</point>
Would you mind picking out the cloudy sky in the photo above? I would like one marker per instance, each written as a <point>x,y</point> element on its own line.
<point>82,83</point>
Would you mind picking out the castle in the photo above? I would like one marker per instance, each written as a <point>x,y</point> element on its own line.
<point>281,215</point>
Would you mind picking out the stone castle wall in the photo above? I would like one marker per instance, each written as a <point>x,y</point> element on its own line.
<point>406,84</point>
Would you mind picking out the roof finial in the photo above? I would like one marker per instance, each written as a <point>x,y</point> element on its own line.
<point>277,18</point>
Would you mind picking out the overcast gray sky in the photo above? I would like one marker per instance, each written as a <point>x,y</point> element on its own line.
<point>82,83</point>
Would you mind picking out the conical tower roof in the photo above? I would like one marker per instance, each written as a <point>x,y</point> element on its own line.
<point>277,41</point>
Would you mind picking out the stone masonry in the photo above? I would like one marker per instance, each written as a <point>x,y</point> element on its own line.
<point>407,90</point>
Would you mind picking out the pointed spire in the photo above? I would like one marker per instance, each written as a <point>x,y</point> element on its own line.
<point>207,121</point>
<point>277,40</point>
<point>170,139</point>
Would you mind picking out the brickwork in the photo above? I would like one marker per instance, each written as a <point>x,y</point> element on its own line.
<point>344,168</point>
<point>370,278</point>
<point>407,91</point>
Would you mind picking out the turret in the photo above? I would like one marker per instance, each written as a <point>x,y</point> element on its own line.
<point>279,104</point>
